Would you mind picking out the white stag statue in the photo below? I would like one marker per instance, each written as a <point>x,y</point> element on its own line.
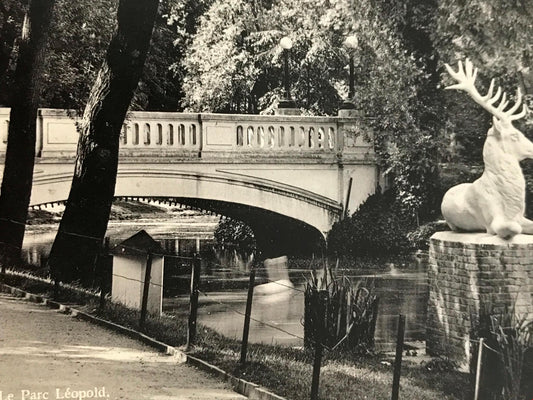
<point>495,202</point>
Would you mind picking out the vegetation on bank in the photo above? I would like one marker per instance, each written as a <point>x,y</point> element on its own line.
<point>380,228</point>
<point>284,371</point>
<point>235,235</point>
<point>121,210</point>
<point>383,227</point>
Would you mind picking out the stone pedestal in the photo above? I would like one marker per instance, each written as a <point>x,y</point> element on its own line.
<point>469,274</point>
<point>350,113</point>
<point>287,111</point>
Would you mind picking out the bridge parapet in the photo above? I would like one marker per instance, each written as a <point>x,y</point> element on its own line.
<point>193,135</point>
<point>268,135</point>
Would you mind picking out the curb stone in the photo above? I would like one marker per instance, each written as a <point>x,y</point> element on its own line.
<point>248,389</point>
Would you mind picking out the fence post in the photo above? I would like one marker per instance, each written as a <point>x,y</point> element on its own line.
<point>375,310</point>
<point>146,288</point>
<point>193,308</point>
<point>398,358</point>
<point>319,340</point>
<point>55,295</point>
<point>478,367</point>
<point>103,270</point>
<point>247,315</point>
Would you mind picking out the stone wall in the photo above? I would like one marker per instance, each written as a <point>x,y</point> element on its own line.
<point>469,275</point>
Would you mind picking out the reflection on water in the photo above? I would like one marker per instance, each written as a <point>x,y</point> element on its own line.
<point>37,243</point>
<point>276,314</point>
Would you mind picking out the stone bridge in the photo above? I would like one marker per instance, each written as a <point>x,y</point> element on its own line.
<point>296,174</point>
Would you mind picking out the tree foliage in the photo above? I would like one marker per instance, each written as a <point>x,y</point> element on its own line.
<point>494,33</point>
<point>231,234</point>
<point>234,65</point>
<point>378,228</point>
<point>78,39</point>
<point>11,15</point>
<point>496,36</point>
<point>79,35</point>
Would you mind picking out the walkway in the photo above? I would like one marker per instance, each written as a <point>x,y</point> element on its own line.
<point>42,350</point>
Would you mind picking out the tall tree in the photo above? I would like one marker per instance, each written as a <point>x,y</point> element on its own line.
<point>20,153</point>
<point>84,221</point>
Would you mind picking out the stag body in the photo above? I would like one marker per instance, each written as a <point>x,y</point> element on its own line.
<point>496,201</point>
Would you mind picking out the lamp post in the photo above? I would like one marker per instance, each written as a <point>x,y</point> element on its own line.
<point>287,101</point>
<point>351,44</point>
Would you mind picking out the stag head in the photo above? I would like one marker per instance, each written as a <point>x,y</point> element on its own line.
<point>513,142</point>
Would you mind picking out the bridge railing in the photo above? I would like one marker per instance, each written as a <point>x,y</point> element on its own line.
<point>163,132</point>
<point>269,133</point>
<point>192,135</point>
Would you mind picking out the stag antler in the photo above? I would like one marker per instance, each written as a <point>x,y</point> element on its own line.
<point>466,76</point>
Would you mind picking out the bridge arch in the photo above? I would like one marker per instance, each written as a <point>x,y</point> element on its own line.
<point>253,200</point>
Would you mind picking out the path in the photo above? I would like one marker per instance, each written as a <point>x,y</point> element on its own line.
<point>42,350</point>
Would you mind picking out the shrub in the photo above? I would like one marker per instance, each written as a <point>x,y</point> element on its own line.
<point>419,238</point>
<point>231,234</point>
<point>378,228</point>
<point>452,174</point>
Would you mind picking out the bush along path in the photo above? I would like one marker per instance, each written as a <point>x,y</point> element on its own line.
<point>282,370</point>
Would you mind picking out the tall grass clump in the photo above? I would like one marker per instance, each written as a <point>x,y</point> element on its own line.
<point>350,312</point>
<point>507,363</point>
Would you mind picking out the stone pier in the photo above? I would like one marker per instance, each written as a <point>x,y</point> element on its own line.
<point>470,273</point>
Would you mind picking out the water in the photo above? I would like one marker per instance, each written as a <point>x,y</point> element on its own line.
<point>276,317</point>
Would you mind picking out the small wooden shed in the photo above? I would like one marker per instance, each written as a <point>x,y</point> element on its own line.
<point>130,259</point>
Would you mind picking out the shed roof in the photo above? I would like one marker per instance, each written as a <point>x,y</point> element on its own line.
<point>140,243</point>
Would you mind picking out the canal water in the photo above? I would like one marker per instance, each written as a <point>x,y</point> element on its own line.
<point>277,317</point>
<point>278,308</point>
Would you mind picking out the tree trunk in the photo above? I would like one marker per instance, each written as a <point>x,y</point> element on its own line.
<point>20,153</point>
<point>84,221</point>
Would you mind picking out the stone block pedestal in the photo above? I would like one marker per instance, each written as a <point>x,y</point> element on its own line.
<point>469,274</point>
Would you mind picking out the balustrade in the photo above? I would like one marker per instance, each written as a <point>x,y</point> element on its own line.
<point>199,135</point>
<point>181,133</point>
<point>271,134</point>
<point>286,137</point>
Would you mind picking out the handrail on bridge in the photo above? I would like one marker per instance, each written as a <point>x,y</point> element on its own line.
<point>194,135</point>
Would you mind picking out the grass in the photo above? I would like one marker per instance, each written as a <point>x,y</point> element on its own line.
<point>285,371</point>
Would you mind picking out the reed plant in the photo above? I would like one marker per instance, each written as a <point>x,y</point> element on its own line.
<point>507,365</point>
<point>350,312</point>
<point>514,337</point>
